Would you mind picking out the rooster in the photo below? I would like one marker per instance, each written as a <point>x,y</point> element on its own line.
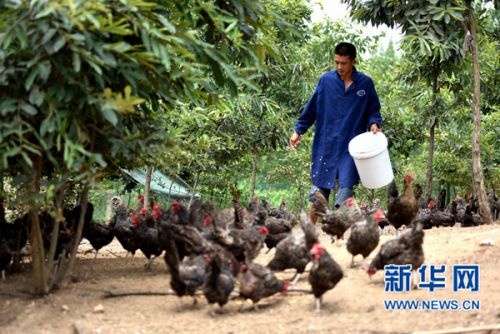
<point>325,273</point>
<point>401,209</point>
<point>405,249</point>
<point>364,235</point>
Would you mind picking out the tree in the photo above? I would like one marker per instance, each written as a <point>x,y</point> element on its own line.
<point>431,42</point>
<point>82,83</point>
<point>471,45</point>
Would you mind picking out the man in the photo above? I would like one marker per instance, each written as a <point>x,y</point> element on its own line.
<point>343,105</point>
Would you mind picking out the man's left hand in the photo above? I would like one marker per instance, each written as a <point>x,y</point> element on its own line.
<point>374,128</point>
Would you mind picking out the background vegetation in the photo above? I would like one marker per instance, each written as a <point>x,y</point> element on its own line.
<point>210,90</point>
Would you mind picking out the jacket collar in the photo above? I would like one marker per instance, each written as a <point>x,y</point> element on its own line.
<point>355,74</point>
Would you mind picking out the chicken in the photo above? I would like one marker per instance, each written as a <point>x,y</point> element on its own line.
<point>5,257</point>
<point>325,273</point>
<point>401,209</point>
<point>13,238</point>
<point>424,216</point>
<point>258,213</point>
<point>494,205</point>
<point>193,272</point>
<point>293,252</point>
<point>247,243</point>
<point>122,228</point>
<point>417,191</point>
<point>99,235</point>
<point>364,235</point>
<point>431,217</point>
<point>257,282</point>
<point>405,249</point>
<point>284,213</point>
<point>337,222</point>
<point>441,200</point>
<point>272,240</point>
<point>464,214</point>
<point>146,235</point>
<point>279,229</point>
<point>221,280</point>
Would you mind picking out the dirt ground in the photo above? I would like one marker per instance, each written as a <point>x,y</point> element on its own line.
<point>356,305</point>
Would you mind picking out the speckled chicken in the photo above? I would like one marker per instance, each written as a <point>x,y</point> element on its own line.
<point>258,282</point>
<point>405,249</point>
<point>365,235</point>
<point>336,223</point>
<point>293,252</point>
<point>325,273</point>
<point>221,278</point>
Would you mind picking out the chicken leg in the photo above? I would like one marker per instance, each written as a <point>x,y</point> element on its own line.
<point>295,278</point>
<point>319,300</point>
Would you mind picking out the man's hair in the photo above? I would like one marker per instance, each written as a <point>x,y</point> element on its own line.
<point>346,49</point>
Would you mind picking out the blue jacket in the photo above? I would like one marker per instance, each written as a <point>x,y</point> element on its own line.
<point>340,115</point>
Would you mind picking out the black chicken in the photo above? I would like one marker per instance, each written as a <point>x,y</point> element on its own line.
<point>5,257</point>
<point>146,235</point>
<point>193,272</point>
<point>293,252</point>
<point>401,209</point>
<point>405,249</point>
<point>221,279</point>
<point>364,235</point>
<point>13,238</point>
<point>257,282</point>
<point>99,235</point>
<point>122,229</point>
<point>336,223</point>
<point>325,273</point>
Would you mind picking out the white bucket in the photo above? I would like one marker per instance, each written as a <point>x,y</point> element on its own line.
<point>371,157</point>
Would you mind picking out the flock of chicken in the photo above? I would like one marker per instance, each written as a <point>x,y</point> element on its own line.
<point>209,250</point>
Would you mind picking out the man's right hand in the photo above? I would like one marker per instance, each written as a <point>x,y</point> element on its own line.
<point>294,140</point>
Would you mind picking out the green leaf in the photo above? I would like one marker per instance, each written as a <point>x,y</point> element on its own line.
<point>170,27</point>
<point>48,10</point>
<point>76,62</point>
<point>27,159</point>
<point>44,69</point>
<point>56,46</point>
<point>96,67</point>
<point>109,115</point>
<point>36,96</point>
<point>31,78</point>
<point>48,35</point>
<point>28,108</point>
<point>7,106</point>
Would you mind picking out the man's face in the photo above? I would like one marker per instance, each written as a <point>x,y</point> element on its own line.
<point>344,64</point>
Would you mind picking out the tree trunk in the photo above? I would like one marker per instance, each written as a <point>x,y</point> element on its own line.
<point>476,134</point>
<point>254,174</point>
<point>37,251</point>
<point>430,156</point>
<point>147,187</point>
<point>448,194</point>
<point>58,199</point>
<point>67,265</point>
